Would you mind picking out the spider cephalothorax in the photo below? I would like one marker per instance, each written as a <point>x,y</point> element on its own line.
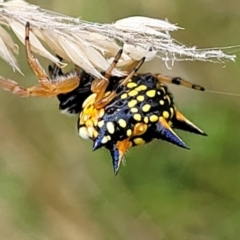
<point>115,112</point>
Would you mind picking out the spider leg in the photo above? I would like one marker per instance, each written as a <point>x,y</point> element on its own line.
<point>33,62</point>
<point>178,81</point>
<point>47,87</point>
<point>107,99</point>
<point>15,88</point>
<point>99,86</point>
<point>39,91</point>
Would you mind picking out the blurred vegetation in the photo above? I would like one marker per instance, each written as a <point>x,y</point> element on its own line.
<point>52,186</point>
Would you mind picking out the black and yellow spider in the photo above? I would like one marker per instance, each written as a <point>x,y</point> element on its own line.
<point>114,112</point>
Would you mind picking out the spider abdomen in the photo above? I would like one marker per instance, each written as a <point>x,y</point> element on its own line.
<point>144,110</point>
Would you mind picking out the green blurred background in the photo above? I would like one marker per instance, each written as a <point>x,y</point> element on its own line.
<point>53,187</point>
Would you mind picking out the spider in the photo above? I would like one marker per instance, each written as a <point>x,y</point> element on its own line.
<point>114,112</point>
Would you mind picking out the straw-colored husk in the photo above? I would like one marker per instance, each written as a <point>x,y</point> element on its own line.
<point>91,46</point>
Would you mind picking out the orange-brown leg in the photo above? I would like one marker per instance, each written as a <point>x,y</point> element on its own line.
<point>65,86</point>
<point>33,62</point>
<point>178,81</point>
<point>99,86</point>
<point>48,87</point>
<point>107,99</point>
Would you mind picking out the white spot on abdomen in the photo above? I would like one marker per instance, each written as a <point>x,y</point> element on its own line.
<point>83,133</point>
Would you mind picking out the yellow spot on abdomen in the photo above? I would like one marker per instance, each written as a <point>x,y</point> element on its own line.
<point>133,93</point>
<point>95,122</point>
<point>122,123</point>
<point>151,93</point>
<point>132,103</point>
<point>137,117</point>
<point>140,98</point>
<point>139,141</point>
<point>110,127</point>
<point>134,110</point>
<point>153,118</point>
<point>131,85</point>
<point>166,114</point>
<point>104,140</point>
<point>90,131</point>
<point>95,134</point>
<point>141,88</point>
<point>89,123</point>
<point>129,132</point>
<point>146,119</point>
<point>101,113</point>
<point>124,96</point>
<point>85,118</point>
<point>161,102</point>
<point>89,100</point>
<point>146,107</point>
<point>100,124</point>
